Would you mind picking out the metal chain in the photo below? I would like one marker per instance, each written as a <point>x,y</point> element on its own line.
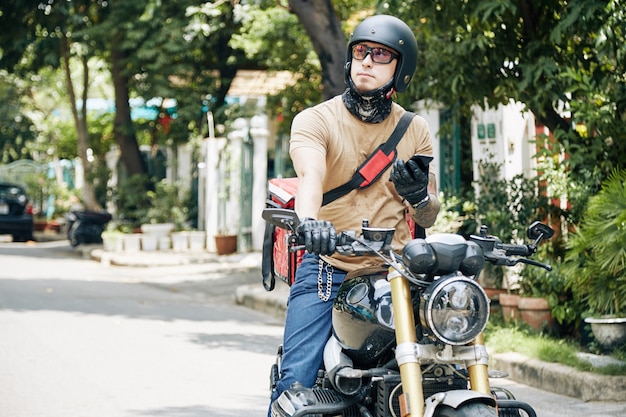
<point>324,295</point>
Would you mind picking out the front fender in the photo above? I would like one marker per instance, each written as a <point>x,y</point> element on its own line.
<point>457,398</point>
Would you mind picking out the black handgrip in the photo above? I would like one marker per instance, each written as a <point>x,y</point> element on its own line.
<point>517,250</point>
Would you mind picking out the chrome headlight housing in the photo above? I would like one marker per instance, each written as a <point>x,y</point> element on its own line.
<point>455,309</point>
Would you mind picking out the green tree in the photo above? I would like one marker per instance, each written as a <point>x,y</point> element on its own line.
<point>153,49</point>
<point>306,38</point>
<point>17,130</point>
<point>41,35</point>
<point>564,60</point>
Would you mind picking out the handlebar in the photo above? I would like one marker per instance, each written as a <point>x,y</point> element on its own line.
<point>501,258</point>
<point>377,241</point>
<point>373,242</point>
<point>516,250</point>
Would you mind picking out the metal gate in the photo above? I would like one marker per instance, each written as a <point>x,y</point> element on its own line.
<point>244,241</point>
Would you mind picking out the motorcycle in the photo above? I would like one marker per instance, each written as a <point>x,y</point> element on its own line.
<point>86,226</point>
<point>407,341</point>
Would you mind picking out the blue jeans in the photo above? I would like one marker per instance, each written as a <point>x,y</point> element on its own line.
<point>307,325</point>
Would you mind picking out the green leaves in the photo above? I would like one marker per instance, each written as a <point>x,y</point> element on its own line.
<point>597,251</point>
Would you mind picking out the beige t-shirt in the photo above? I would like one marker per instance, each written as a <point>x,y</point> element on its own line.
<point>346,142</point>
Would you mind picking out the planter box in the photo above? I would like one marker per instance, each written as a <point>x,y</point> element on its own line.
<point>158,229</point>
<point>149,242</point>
<point>165,243</point>
<point>180,241</point>
<point>197,241</point>
<point>132,242</point>
<point>112,242</point>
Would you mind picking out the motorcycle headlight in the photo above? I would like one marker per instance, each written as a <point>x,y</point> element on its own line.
<point>455,310</point>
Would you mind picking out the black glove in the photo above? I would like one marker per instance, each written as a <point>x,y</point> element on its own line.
<point>319,236</point>
<point>410,180</point>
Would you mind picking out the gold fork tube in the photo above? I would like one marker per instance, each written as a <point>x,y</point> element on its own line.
<point>478,373</point>
<point>412,400</point>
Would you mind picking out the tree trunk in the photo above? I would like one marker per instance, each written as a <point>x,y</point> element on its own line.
<point>80,121</point>
<point>123,126</point>
<point>324,29</point>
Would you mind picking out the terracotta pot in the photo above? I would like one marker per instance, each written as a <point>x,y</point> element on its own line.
<point>509,305</point>
<point>225,244</point>
<point>40,225</point>
<point>535,312</point>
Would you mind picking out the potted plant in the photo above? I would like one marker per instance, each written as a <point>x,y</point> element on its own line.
<point>168,211</point>
<point>225,243</point>
<point>112,239</point>
<point>168,207</point>
<point>225,238</point>
<point>537,293</point>
<point>596,261</point>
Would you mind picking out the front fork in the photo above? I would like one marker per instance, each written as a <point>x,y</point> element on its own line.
<point>412,398</point>
<point>479,372</point>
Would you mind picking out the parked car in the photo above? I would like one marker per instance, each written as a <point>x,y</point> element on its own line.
<point>16,214</point>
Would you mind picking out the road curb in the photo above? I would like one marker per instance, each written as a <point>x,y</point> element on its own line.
<point>561,379</point>
<point>257,298</point>
<point>145,259</point>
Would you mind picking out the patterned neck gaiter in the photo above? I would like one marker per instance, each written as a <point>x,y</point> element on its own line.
<point>373,106</point>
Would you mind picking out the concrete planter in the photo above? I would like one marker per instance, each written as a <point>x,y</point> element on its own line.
<point>132,242</point>
<point>610,332</point>
<point>149,242</point>
<point>197,241</point>
<point>165,243</point>
<point>112,242</point>
<point>180,241</point>
<point>158,229</point>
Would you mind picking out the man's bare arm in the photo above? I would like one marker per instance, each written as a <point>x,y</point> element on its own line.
<point>310,166</point>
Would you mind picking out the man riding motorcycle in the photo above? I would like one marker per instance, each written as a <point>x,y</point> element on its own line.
<point>328,142</point>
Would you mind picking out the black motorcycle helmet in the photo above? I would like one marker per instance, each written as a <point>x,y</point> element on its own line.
<point>393,33</point>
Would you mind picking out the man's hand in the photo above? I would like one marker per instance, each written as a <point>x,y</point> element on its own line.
<point>319,236</point>
<point>410,180</point>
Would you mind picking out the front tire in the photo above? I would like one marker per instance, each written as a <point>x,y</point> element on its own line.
<point>473,409</point>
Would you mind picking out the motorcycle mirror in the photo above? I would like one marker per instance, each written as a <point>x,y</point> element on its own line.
<point>280,217</point>
<point>538,230</point>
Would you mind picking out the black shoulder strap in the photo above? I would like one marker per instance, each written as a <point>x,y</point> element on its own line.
<point>375,164</point>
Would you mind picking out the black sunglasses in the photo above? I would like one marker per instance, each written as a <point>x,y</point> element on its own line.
<point>379,55</point>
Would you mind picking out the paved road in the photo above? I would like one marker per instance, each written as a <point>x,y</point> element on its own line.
<point>80,339</point>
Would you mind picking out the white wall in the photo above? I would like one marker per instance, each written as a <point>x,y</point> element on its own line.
<point>211,176</point>
<point>431,114</point>
<point>503,135</point>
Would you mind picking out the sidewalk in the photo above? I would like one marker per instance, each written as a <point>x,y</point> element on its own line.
<point>549,377</point>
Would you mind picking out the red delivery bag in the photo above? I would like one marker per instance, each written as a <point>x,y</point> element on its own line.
<point>278,260</point>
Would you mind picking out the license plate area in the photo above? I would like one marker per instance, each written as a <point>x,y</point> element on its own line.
<point>4,208</point>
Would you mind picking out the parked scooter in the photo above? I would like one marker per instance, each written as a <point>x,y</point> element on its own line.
<point>86,226</point>
<point>407,341</point>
